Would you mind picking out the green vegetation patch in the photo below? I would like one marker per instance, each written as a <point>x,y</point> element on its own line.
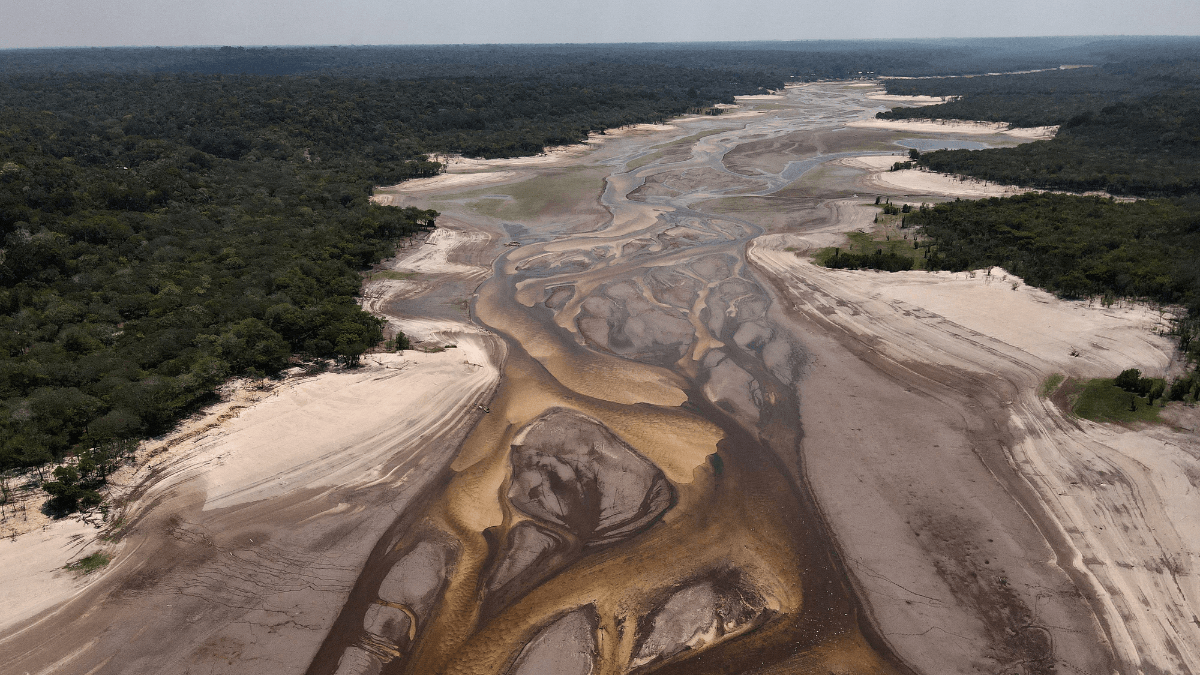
<point>1050,385</point>
<point>89,564</point>
<point>891,247</point>
<point>1101,400</point>
<point>391,275</point>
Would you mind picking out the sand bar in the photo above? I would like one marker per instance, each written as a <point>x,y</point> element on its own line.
<point>958,127</point>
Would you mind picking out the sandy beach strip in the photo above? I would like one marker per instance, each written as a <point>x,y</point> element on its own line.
<point>957,127</point>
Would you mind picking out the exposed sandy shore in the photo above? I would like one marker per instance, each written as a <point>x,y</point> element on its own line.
<point>918,182</point>
<point>915,100</point>
<point>446,180</point>
<point>922,182</point>
<point>760,97</point>
<point>1119,501</point>
<point>957,127</point>
<point>34,578</point>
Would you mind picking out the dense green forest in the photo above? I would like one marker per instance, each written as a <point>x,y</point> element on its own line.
<point>1076,247</point>
<point>138,273</point>
<point>1049,97</point>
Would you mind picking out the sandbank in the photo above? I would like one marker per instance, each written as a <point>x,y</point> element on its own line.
<point>957,127</point>
<point>920,182</point>
<point>440,182</point>
<point>915,100</point>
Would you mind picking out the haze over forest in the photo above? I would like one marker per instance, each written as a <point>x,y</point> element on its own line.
<point>76,23</point>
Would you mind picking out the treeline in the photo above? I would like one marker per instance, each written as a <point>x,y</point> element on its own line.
<point>805,60</point>
<point>376,121</point>
<point>138,273</point>
<point>889,262</point>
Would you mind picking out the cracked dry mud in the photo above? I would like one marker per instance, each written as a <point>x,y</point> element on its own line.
<point>667,477</point>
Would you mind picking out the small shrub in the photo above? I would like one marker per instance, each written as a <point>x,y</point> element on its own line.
<point>1050,384</point>
<point>1128,379</point>
<point>89,564</point>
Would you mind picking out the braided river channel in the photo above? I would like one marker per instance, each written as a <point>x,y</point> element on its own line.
<point>634,500</point>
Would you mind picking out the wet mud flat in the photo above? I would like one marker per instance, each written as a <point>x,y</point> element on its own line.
<point>689,464</point>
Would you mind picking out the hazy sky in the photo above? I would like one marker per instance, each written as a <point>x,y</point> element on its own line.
<point>55,23</point>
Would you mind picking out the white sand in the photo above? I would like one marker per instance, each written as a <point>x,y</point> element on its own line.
<point>923,182</point>
<point>335,429</point>
<point>1027,319</point>
<point>434,256</point>
<point>34,578</point>
<point>920,182</point>
<point>957,127</point>
<point>915,100</point>
<point>441,182</point>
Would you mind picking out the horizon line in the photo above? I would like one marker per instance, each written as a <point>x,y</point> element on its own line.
<point>582,44</point>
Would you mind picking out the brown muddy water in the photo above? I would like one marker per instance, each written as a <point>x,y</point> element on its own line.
<point>634,499</point>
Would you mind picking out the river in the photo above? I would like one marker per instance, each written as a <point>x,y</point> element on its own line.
<point>659,519</point>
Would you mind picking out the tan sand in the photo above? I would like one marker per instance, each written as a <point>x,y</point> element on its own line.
<point>433,257</point>
<point>957,127</point>
<point>317,432</point>
<point>1127,499</point>
<point>442,181</point>
<point>919,182</point>
<point>1120,501</point>
<point>915,100</point>
<point>34,578</point>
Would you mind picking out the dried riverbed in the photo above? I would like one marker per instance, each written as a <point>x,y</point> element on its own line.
<point>702,455</point>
